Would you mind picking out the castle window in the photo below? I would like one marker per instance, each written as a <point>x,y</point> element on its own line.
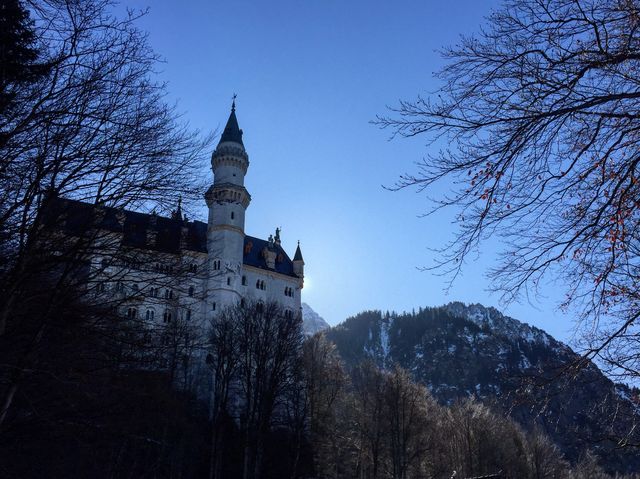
<point>132,313</point>
<point>188,314</point>
<point>168,294</point>
<point>216,264</point>
<point>213,307</point>
<point>150,314</point>
<point>244,281</point>
<point>166,317</point>
<point>262,286</point>
<point>228,281</point>
<point>119,287</point>
<point>191,291</point>
<point>233,216</point>
<point>242,302</point>
<point>260,307</point>
<point>288,314</point>
<point>258,284</point>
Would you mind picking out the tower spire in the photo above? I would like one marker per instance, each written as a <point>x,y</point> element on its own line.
<point>232,131</point>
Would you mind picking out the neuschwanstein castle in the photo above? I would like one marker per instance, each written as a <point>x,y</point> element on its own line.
<point>166,268</point>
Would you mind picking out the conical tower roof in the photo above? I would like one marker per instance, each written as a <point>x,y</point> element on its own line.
<point>298,255</point>
<point>232,131</point>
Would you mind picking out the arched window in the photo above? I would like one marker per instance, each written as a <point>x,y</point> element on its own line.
<point>216,264</point>
<point>166,317</point>
<point>244,281</point>
<point>258,284</point>
<point>132,313</point>
<point>229,281</point>
<point>233,216</point>
<point>190,290</point>
<point>150,314</point>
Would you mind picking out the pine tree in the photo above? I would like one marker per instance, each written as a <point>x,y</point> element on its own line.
<point>18,52</point>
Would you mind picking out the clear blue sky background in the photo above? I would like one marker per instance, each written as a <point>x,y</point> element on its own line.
<point>310,75</point>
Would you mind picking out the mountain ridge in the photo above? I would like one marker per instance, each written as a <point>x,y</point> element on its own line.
<point>459,350</point>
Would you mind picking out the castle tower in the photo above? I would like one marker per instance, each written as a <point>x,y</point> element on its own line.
<point>227,200</point>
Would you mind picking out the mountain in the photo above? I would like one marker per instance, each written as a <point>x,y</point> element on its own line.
<point>460,350</point>
<point>312,322</point>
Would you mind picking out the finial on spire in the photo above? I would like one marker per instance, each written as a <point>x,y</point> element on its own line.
<point>233,102</point>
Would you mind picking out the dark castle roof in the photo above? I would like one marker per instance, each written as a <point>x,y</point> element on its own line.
<point>253,248</point>
<point>77,218</point>
<point>232,131</point>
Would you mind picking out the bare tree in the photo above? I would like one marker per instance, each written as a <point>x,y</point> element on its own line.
<point>96,128</point>
<point>93,126</point>
<point>223,360</point>
<point>321,384</point>
<point>255,349</point>
<point>539,112</point>
<point>410,416</point>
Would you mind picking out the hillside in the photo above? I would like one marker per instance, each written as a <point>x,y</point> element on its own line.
<point>459,351</point>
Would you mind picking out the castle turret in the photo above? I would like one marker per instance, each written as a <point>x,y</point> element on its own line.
<point>298,263</point>
<point>227,200</point>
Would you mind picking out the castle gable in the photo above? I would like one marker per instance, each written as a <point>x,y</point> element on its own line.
<point>254,249</point>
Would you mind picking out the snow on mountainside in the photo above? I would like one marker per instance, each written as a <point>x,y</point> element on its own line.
<point>460,350</point>
<point>312,322</point>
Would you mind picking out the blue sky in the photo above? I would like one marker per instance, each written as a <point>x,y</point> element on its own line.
<point>310,76</point>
